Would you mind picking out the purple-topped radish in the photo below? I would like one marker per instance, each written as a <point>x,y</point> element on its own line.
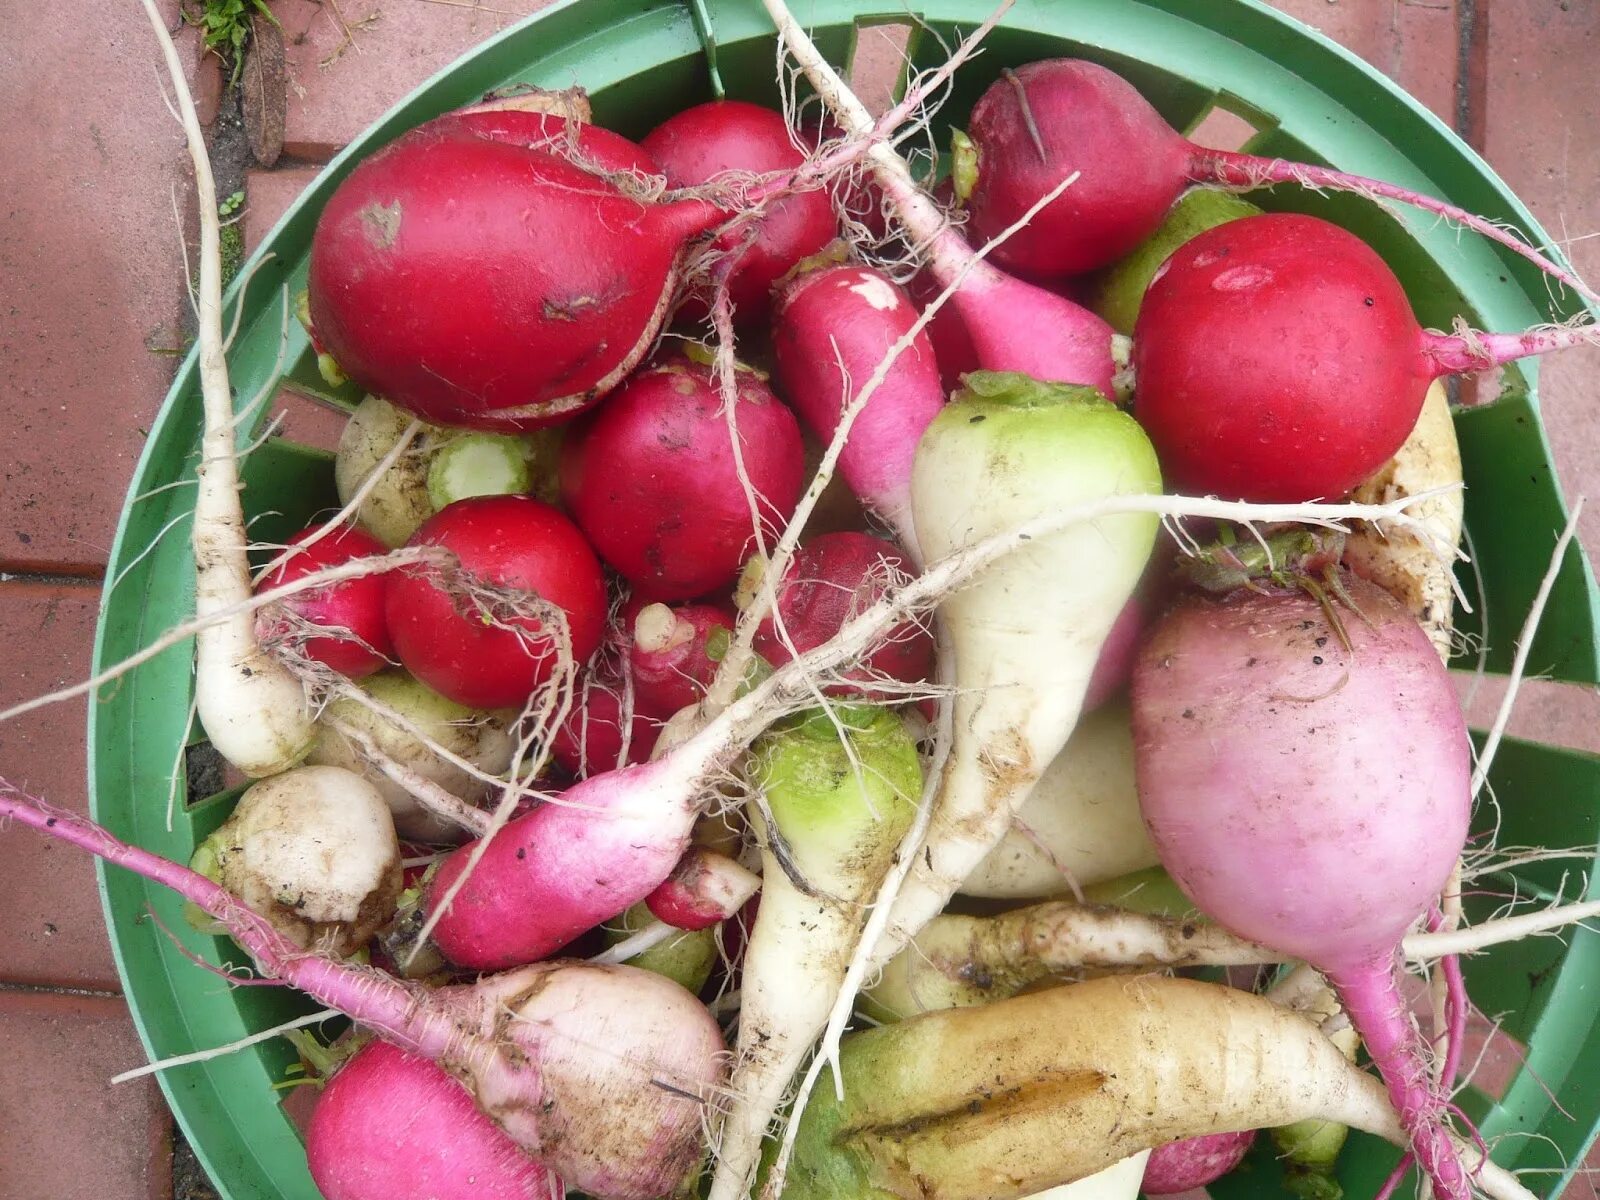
<point>1312,796</point>
<point>1047,120</point>
<point>1191,1163</point>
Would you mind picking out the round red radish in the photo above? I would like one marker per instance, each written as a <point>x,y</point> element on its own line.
<point>1277,359</point>
<point>831,579</point>
<point>589,146</point>
<point>650,478</point>
<point>590,739</point>
<point>1191,1163</point>
<point>674,654</point>
<point>701,143</point>
<point>474,281</point>
<point>447,639</point>
<point>355,607</point>
<point>392,1126</point>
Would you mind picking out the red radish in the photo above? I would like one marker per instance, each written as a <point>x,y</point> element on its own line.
<point>832,329</point>
<point>1014,325</point>
<point>357,643</point>
<point>471,649</point>
<point>1048,119</point>
<point>1114,667</point>
<point>523,1042</point>
<point>704,889</point>
<point>651,479</point>
<point>675,653</point>
<point>830,580</point>
<point>1312,798</point>
<point>1278,359</point>
<point>1191,1163</point>
<point>590,739</point>
<point>474,281</point>
<point>587,145</point>
<point>392,1126</point>
<point>702,142</point>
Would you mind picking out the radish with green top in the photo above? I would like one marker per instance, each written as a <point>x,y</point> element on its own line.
<point>841,787</point>
<point>1308,786</point>
<point>1027,632</point>
<point>627,1124</point>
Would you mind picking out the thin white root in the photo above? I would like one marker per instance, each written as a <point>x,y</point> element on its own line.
<point>650,936</point>
<point>439,801</point>
<point>266,1035</point>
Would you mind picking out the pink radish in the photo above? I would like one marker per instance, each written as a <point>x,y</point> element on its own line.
<point>675,652</point>
<point>831,329</point>
<point>1278,359</point>
<point>1114,667</point>
<point>590,739</point>
<point>831,579</point>
<point>1048,119</point>
<point>584,276</point>
<point>393,1126</point>
<point>703,889</point>
<point>652,482</point>
<point>523,1043</point>
<point>700,143</point>
<point>1313,798</point>
<point>476,649</point>
<point>1191,1163</point>
<point>357,642</point>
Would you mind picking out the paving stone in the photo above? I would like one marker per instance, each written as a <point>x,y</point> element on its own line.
<point>268,195</point>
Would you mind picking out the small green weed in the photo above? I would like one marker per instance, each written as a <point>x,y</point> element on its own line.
<point>226,26</point>
<point>232,237</point>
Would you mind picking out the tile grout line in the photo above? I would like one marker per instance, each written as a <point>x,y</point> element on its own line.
<point>8,987</point>
<point>91,577</point>
<point>1472,46</point>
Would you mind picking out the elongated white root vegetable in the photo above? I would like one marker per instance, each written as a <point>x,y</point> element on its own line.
<point>840,787</point>
<point>1080,825</point>
<point>1008,1099</point>
<point>254,710</point>
<point>1026,634</point>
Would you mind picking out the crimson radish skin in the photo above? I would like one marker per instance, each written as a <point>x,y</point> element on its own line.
<point>357,642</point>
<point>1027,632</point>
<point>651,477</point>
<point>675,652</point>
<point>515,542</point>
<point>583,143</point>
<point>832,328</point>
<point>586,276</point>
<point>842,788</point>
<point>709,140</point>
<point>703,889</point>
<point>1191,1163</point>
<point>1278,359</point>
<point>393,1126</point>
<point>1313,799</point>
<point>590,739</point>
<point>523,1042</point>
<point>831,579</point>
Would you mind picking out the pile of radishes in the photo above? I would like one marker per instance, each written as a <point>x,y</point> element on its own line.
<point>692,751</point>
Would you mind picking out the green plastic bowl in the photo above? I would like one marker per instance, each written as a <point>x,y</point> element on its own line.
<point>643,59</point>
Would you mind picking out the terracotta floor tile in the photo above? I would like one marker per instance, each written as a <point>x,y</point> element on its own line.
<point>92,275</point>
<point>268,196</point>
<point>51,928</point>
<point>1542,130</point>
<point>1412,43</point>
<point>67,1132</point>
<point>339,84</point>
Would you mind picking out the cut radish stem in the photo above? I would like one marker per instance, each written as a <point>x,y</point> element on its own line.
<point>356,642</point>
<point>313,852</point>
<point>832,579</point>
<point>478,464</point>
<point>841,787</point>
<point>1330,853</point>
<point>675,653</point>
<point>1277,358</point>
<point>700,143</point>
<point>491,639</point>
<point>832,328</point>
<point>523,1043</point>
<point>652,481</point>
<point>393,1126</point>
<point>1047,119</point>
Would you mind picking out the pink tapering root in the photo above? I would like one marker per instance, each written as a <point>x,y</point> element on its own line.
<point>1372,1000</point>
<point>371,997</point>
<point>1467,350</point>
<point>1249,171</point>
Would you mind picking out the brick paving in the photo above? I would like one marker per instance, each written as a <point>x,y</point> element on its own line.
<point>91,275</point>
